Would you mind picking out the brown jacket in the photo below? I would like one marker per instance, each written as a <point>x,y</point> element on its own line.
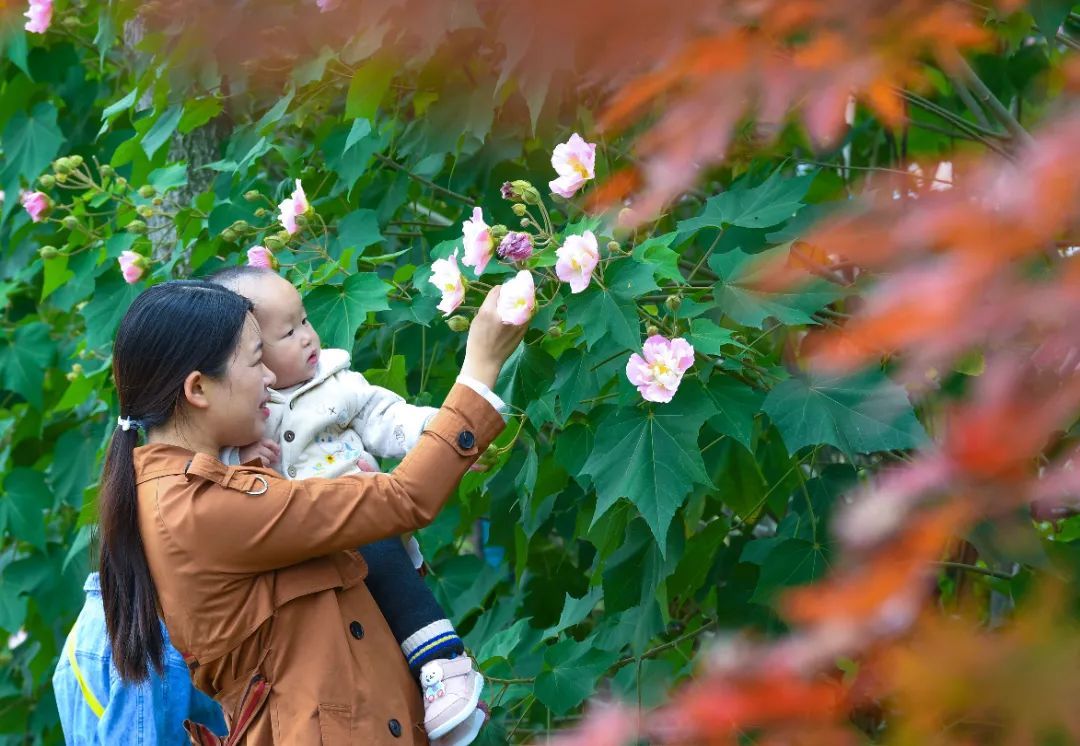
<point>262,591</point>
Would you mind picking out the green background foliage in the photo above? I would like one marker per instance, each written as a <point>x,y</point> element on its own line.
<point>609,533</point>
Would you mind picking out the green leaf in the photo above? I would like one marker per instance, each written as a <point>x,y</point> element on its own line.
<point>1049,15</point>
<point>575,610</point>
<point>270,119</point>
<point>775,201</point>
<point>570,674</point>
<point>501,645</point>
<point>657,253</point>
<point>463,583</point>
<point>740,485</point>
<point>602,314</point>
<point>366,89</point>
<point>23,362</point>
<point>357,230</point>
<point>525,375</point>
<point>56,274</point>
<point>22,506</point>
<point>110,302</point>
<point>120,105</point>
<point>161,130</point>
<point>337,311</point>
<point>72,466</point>
<point>860,414</point>
<point>792,562</point>
<point>575,380</point>
<point>735,405</point>
<point>737,294</point>
<point>360,129</point>
<point>30,143</point>
<point>198,112</point>
<point>649,455</point>
<point>709,338</point>
<point>698,559</point>
<point>391,377</point>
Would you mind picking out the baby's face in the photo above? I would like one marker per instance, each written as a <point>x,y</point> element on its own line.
<point>290,345</point>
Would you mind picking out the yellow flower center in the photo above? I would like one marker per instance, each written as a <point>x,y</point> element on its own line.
<point>579,168</point>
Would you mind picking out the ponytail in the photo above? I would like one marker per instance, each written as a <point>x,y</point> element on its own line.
<point>170,330</point>
<point>127,589</point>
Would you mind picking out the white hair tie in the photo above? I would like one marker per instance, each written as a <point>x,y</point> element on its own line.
<point>126,423</point>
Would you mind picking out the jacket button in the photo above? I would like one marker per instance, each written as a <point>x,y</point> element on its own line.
<point>292,471</point>
<point>357,630</point>
<point>395,728</point>
<point>289,436</point>
<point>466,439</point>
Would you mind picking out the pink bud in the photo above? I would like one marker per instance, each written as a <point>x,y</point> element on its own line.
<point>260,256</point>
<point>132,266</point>
<point>36,205</point>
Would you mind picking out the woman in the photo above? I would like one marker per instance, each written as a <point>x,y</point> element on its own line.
<point>254,575</point>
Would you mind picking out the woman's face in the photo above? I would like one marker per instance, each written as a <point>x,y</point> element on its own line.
<point>237,412</point>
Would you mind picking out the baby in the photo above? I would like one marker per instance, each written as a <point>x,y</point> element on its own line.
<point>328,421</point>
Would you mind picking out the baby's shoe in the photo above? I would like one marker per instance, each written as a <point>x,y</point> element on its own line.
<point>467,731</point>
<point>451,689</point>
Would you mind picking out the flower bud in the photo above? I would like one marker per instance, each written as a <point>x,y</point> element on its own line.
<point>498,232</point>
<point>301,220</point>
<point>77,369</point>
<point>241,226</point>
<point>524,222</point>
<point>137,227</point>
<point>146,191</point>
<point>229,235</point>
<point>106,170</point>
<point>47,181</point>
<point>71,376</point>
<point>554,331</point>
<point>262,212</point>
<point>121,183</point>
<point>673,302</point>
<point>519,209</point>
<point>273,243</point>
<point>145,211</point>
<point>157,201</point>
<point>613,246</point>
<point>526,192</point>
<point>61,178</point>
<point>70,22</point>
<point>251,195</point>
<point>70,222</point>
<point>62,165</point>
<point>285,236</point>
<point>76,161</point>
<point>652,330</point>
<point>48,252</point>
<point>458,323</point>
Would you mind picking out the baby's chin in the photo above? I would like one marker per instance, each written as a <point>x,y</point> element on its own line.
<point>287,382</point>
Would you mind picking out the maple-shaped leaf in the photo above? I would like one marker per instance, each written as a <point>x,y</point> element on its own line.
<point>773,202</point>
<point>337,311</point>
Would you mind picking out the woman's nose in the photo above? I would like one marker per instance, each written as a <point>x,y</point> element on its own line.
<point>269,377</point>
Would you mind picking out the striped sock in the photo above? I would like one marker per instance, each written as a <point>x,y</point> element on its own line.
<point>436,640</point>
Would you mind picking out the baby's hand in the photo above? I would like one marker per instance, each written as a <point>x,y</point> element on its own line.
<point>266,450</point>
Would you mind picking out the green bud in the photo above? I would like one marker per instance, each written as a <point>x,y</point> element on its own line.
<point>77,369</point>
<point>61,178</point>
<point>229,235</point>
<point>47,181</point>
<point>673,302</point>
<point>71,376</point>
<point>62,165</point>
<point>652,330</point>
<point>136,226</point>
<point>70,22</point>
<point>252,195</point>
<point>284,236</point>
<point>146,191</point>
<point>48,252</point>
<point>458,323</point>
<point>555,331</point>
<point>157,201</point>
<point>613,246</point>
<point>301,221</point>
<point>519,209</point>
<point>524,222</point>
<point>523,191</point>
<point>262,212</point>
<point>145,211</point>
<point>121,183</point>
<point>241,226</point>
<point>70,222</point>
<point>106,170</point>
<point>498,232</point>
<point>273,243</point>
<point>76,161</point>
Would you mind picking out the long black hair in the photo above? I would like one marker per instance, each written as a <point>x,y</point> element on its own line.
<point>169,331</point>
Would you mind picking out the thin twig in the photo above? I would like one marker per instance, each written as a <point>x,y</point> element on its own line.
<point>426,182</point>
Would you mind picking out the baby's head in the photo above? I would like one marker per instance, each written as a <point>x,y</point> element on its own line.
<point>290,344</point>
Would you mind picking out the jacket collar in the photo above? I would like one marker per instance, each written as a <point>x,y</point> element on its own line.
<point>156,459</point>
<point>331,361</point>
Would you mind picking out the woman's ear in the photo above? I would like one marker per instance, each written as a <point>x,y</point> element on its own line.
<point>194,390</point>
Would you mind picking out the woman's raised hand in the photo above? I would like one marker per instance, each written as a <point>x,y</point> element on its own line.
<point>490,342</point>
